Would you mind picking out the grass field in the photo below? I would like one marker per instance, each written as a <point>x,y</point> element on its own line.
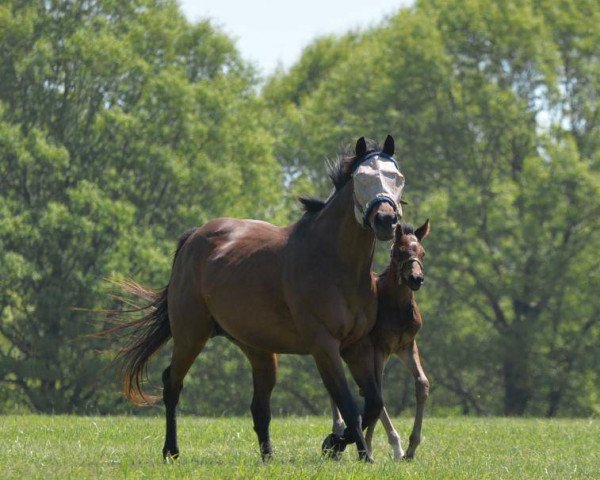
<point>128,447</point>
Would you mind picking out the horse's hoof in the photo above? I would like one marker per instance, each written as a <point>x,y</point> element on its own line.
<point>333,447</point>
<point>365,457</point>
<point>267,457</point>
<point>170,455</point>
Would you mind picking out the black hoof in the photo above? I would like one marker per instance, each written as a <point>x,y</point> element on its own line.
<point>267,457</point>
<point>333,446</point>
<point>365,457</point>
<point>170,454</point>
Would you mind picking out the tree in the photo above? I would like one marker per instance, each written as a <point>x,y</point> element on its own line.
<point>492,104</point>
<point>121,125</point>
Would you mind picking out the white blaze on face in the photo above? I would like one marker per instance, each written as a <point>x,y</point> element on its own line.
<point>375,178</point>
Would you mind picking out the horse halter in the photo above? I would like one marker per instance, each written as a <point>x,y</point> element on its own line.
<point>377,179</point>
<point>400,267</point>
<point>410,260</point>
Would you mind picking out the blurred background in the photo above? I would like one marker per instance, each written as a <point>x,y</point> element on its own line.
<point>123,124</point>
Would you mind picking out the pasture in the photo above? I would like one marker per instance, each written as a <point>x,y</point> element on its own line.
<point>130,447</point>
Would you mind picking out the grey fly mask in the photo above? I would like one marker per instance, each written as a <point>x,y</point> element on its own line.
<point>377,179</point>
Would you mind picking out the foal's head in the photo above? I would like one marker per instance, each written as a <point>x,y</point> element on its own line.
<point>408,254</point>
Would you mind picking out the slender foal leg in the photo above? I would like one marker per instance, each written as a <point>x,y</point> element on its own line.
<point>264,376</point>
<point>413,362</point>
<point>338,425</point>
<point>392,434</point>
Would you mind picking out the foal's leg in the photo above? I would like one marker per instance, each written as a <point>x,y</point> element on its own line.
<point>412,360</point>
<point>264,376</point>
<point>190,334</point>
<point>392,434</point>
<point>338,425</point>
<point>329,363</point>
<point>337,428</point>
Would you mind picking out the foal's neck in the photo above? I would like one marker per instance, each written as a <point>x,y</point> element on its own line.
<point>395,293</point>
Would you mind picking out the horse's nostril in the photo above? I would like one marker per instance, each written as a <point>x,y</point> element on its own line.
<point>417,280</point>
<point>385,220</point>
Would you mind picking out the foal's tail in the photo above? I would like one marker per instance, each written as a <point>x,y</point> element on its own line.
<point>144,336</point>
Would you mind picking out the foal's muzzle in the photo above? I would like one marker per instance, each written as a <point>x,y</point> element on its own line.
<point>415,282</point>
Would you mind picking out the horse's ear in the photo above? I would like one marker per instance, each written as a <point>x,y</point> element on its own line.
<point>361,147</point>
<point>388,146</point>
<point>423,230</point>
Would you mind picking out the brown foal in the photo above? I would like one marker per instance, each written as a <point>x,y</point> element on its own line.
<point>305,289</point>
<point>398,322</point>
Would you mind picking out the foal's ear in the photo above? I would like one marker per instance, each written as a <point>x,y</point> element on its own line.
<point>388,146</point>
<point>361,147</point>
<point>398,234</point>
<point>423,230</point>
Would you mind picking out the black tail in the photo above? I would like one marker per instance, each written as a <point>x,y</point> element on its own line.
<point>144,336</point>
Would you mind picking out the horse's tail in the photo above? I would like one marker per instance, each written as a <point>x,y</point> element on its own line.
<point>144,336</point>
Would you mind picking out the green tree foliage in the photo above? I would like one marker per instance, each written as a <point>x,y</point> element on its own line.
<point>121,125</point>
<point>494,106</point>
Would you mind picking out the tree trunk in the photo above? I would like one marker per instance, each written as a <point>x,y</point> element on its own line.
<point>515,369</point>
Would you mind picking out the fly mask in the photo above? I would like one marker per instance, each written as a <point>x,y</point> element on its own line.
<point>377,179</point>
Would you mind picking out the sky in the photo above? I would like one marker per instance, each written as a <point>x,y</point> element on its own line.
<point>270,33</point>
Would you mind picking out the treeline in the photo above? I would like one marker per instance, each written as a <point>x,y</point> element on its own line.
<point>122,125</point>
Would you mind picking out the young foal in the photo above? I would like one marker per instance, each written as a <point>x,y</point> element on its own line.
<point>398,322</point>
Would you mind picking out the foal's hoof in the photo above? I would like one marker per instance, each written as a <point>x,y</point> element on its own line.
<point>333,446</point>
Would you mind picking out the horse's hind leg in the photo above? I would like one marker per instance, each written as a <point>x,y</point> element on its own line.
<point>191,328</point>
<point>264,376</point>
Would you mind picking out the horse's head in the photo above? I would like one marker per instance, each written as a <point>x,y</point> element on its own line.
<point>377,184</point>
<point>408,255</point>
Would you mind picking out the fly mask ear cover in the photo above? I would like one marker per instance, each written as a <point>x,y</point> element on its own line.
<point>377,179</point>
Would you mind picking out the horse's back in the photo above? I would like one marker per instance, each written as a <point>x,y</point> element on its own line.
<point>234,267</point>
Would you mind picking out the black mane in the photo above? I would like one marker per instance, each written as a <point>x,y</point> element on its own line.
<point>407,229</point>
<point>339,171</point>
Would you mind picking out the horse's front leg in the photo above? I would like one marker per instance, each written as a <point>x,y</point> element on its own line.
<point>413,362</point>
<point>264,377</point>
<point>326,352</point>
<point>360,359</point>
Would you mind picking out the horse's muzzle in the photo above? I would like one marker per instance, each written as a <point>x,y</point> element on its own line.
<point>384,225</point>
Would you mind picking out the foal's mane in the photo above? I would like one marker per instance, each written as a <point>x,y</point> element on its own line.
<point>339,171</point>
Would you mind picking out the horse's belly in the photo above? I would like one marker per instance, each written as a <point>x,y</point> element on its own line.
<point>252,312</point>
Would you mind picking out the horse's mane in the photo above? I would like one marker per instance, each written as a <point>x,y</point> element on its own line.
<point>340,172</point>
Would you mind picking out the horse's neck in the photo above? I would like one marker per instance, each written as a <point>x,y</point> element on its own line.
<point>339,232</point>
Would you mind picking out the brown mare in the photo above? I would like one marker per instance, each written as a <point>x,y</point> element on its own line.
<point>305,289</point>
<point>398,322</point>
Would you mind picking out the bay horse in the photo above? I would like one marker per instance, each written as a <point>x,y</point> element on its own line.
<point>305,289</point>
<point>398,322</point>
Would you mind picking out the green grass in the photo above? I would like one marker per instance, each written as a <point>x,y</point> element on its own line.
<point>128,447</point>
